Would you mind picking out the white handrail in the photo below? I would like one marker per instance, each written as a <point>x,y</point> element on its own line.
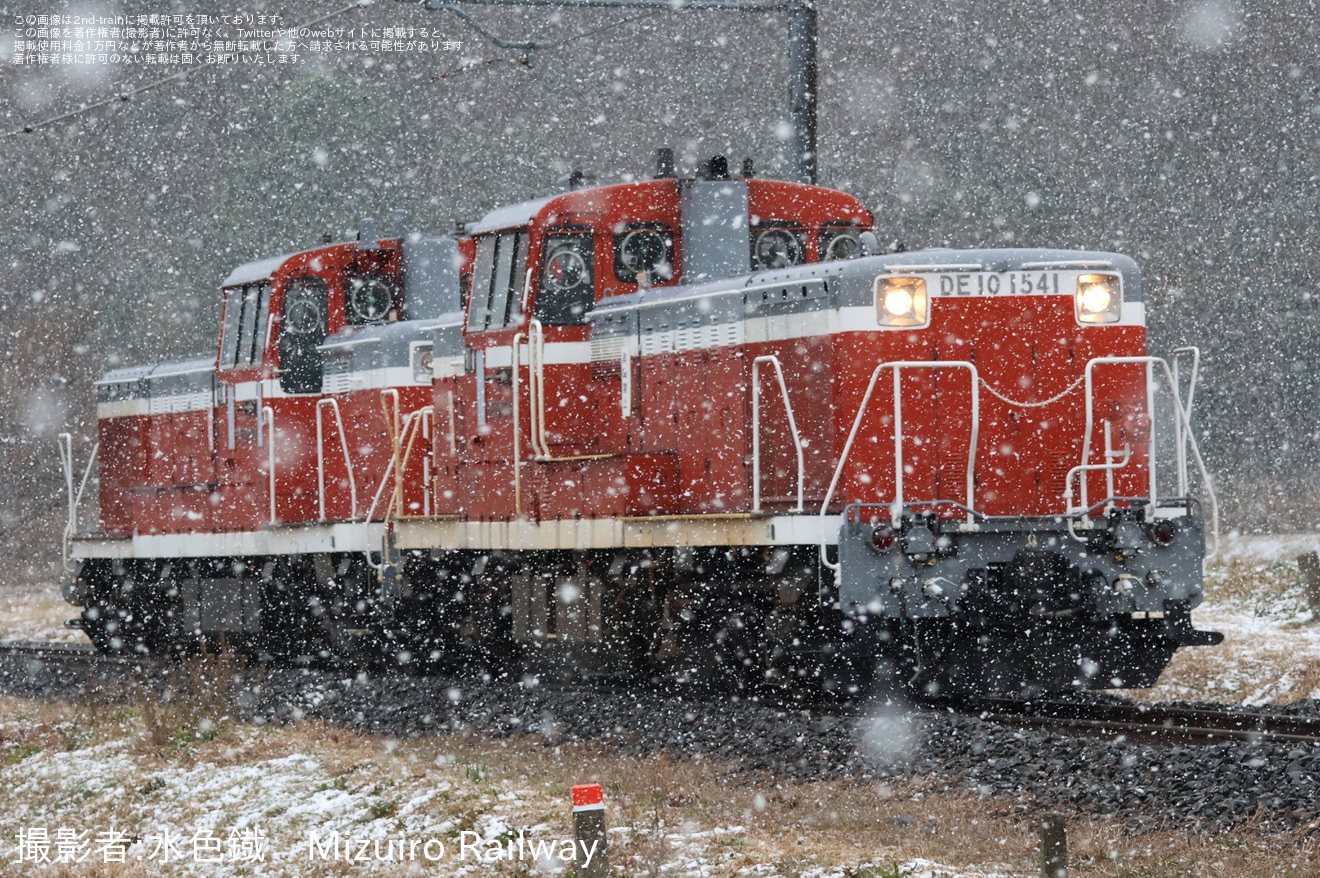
<point>1097,467</point>
<point>756,431</point>
<point>453,425</point>
<point>1111,455</point>
<point>391,415</point>
<point>1148,362</point>
<point>320,456</point>
<point>268,415</point>
<point>394,469</point>
<point>536,386</point>
<point>536,396</point>
<point>896,508</point>
<point>66,464</point>
<point>74,498</point>
<point>1180,437</point>
<point>428,429</point>
<point>516,360</point>
<point>413,427</point>
<point>398,459</point>
<point>1090,424</point>
<point>1183,416</point>
<point>82,485</point>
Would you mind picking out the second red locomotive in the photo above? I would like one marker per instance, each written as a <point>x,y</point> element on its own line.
<point>694,427</point>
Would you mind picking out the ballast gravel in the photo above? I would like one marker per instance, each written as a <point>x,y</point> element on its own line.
<point>1211,787</point>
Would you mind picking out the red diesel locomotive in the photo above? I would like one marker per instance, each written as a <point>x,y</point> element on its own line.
<point>702,428</point>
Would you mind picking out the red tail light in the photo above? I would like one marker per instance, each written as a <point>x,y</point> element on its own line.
<point>1164,531</point>
<point>882,538</point>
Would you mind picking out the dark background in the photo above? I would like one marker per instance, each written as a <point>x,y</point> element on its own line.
<point>1182,133</point>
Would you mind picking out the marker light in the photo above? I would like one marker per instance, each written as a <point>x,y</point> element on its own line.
<point>882,538</point>
<point>1099,298</point>
<point>901,301</point>
<point>1164,531</point>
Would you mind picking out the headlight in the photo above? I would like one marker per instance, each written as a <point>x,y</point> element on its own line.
<point>901,301</point>
<point>1099,298</point>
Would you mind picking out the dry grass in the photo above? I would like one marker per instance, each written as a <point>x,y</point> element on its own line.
<point>1247,580</point>
<point>1271,649</point>
<point>670,816</point>
<point>36,612</point>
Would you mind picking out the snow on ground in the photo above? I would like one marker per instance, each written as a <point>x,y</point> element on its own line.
<point>268,816</point>
<point>1267,547</point>
<point>37,613</point>
<point>251,801</point>
<point>1271,650</point>
<point>214,811</point>
<point>279,816</point>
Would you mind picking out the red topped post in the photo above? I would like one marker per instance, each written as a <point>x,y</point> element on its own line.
<point>589,830</point>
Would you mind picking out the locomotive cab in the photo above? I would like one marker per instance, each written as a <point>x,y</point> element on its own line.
<point>540,272</point>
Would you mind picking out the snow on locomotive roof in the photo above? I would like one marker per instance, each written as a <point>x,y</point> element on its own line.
<point>851,271</point>
<point>393,340</point>
<point>158,370</point>
<point>1018,259</point>
<point>126,373</point>
<point>509,216</point>
<point>249,272</point>
<point>184,367</point>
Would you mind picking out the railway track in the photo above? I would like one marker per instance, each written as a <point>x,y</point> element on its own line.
<point>1149,723</point>
<point>69,669</point>
<point>68,654</point>
<point>41,667</point>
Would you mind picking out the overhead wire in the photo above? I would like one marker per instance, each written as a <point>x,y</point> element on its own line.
<point>524,61</point>
<point>182,74</point>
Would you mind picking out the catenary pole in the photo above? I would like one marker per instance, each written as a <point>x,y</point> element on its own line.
<point>800,152</point>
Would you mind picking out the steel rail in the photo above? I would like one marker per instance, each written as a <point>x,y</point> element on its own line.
<point>1156,723</point>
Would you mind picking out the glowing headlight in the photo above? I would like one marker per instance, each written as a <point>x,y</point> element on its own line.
<point>901,301</point>
<point>1099,298</point>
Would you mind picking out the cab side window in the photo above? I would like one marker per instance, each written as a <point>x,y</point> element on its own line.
<point>302,332</point>
<point>369,298</point>
<point>777,245</point>
<point>644,249</point>
<point>243,336</point>
<point>498,277</point>
<point>567,290</point>
<point>840,241</point>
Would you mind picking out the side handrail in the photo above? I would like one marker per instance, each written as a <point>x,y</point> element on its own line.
<point>66,466</point>
<point>416,425</point>
<point>1180,437</point>
<point>74,498</point>
<point>1181,413</point>
<point>896,508</point>
<point>389,405</point>
<point>1089,376</point>
<point>453,424</point>
<point>516,362</point>
<point>756,431</point>
<point>398,459</point>
<point>536,388</point>
<point>536,399</point>
<point>1108,468</point>
<point>402,449</point>
<point>268,416</point>
<point>333,404</point>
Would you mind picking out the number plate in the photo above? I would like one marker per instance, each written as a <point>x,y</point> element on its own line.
<point>1002,283</point>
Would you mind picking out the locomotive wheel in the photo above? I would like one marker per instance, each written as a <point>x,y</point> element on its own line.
<point>110,630</point>
<point>298,628</point>
<point>723,650</point>
<point>122,616</point>
<point>487,632</point>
